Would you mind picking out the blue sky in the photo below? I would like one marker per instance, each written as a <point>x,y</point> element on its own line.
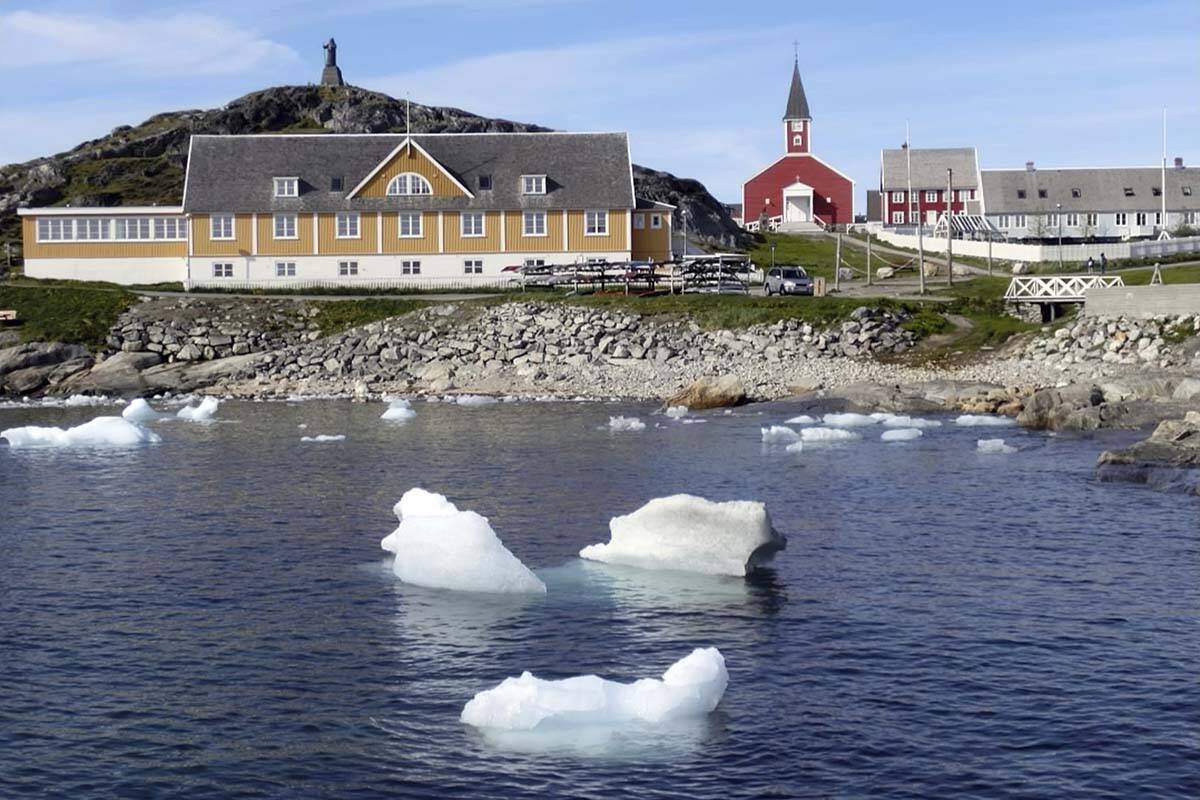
<point>700,86</point>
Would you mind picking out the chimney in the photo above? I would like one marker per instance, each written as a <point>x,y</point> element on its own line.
<point>1178,162</point>
<point>1029,166</point>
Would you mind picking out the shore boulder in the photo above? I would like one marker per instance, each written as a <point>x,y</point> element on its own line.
<point>715,392</point>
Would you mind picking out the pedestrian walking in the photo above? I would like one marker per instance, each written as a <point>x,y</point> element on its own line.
<point>1091,265</point>
<point>1103,263</point>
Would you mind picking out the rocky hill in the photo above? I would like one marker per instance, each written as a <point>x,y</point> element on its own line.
<point>145,164</point>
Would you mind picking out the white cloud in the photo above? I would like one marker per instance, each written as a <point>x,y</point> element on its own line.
<point>182,44</point>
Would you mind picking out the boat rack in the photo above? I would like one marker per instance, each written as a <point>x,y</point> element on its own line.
<point>720,273</point>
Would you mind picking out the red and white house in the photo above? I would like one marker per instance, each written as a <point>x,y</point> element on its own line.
<point>799,189</point>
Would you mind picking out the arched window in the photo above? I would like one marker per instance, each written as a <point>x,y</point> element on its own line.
<point>408,183</point>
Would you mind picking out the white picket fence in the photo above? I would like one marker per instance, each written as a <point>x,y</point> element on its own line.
<point>1032,253</point>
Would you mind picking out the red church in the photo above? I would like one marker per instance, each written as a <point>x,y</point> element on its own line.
<point>800,192</point>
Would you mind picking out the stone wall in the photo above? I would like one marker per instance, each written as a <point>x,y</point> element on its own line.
<point>1161,341</point>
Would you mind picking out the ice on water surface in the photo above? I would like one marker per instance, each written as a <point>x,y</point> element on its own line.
<point>139,410</point>
<point>398,409</point>
<point>828,435</point>
<point>779,434</point>
<point>625,424</point>
<point>692,534</point>
<point>901,434</point>
<point>691,687</point>
<point>324,437</point>
<point>676,412</point>
<point>100,432</point>
<point>904,421</point>
<point>994,446</point>
<point>983,420</point>
<point>849,420</point>
<point>440,547</point>
<point>204,411</point>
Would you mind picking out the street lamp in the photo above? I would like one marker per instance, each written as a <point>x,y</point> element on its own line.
<point>1058,207</point>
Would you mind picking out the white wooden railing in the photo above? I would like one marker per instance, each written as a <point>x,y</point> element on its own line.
<point>1056,288</point>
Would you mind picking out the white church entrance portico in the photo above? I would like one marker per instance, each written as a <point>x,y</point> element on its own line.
<point>797,203</point>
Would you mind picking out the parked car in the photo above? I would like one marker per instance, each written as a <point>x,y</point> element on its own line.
<point>788,280</point>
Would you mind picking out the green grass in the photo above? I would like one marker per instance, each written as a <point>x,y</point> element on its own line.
<point>926,322</point>
<point>336,316</point>
<point>1141,277</point>
<point>815,253</point>
<point>78,315</point>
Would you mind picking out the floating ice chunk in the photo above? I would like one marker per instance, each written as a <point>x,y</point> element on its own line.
<point>828,435</point>
<point>691,687</point>
<point>902,434</point>
<point>803,419</point>
<point>677,412</point>
<point>625,424</point>
<point>902,421</point>
<point>85,400</point>
<point>204,411</point>
<point>475,400</point>
<point>994,446</point>
<point>100,432</point>
<point>303,426</point>
<point>981,420</point>
<point>796,447</point>
<point>324,437</point>
<point>139,410</point>
<point>849,420</point>
<point>398,409</point>
<point>693,421</point>
<point>689,533</point>
<point>438,546</point>
<point>779,434</point>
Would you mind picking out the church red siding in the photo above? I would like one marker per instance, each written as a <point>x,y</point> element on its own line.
<point>838,209</point>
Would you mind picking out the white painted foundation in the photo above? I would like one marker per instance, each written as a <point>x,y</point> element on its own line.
<point>115,270</point>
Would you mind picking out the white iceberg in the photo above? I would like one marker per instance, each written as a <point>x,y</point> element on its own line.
<point>994,446</point>
<point>676,412</point>
<point>779,434</point>
<point>204,411</point>
<point>902,434</point>
<point>983,420</point>
<point>828,435</point>
<point>849,420</point>
<point>139,410</point>
<point>398,409</point>
<point>903,421</point>
<point>475,400</point>
<point>440,547</point>
<point>803,419</point>
<point>691,687</point>
<point>100,432</point>
<point>625,424</point>
<point>692,534</point>
<point>324,437</point>
<point>85,400</point>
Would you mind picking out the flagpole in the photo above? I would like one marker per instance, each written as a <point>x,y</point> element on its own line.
<point>920,226</point>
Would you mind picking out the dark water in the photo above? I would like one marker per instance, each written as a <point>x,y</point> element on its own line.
<point>212,617</point>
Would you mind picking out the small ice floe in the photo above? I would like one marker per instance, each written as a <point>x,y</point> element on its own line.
<point>475,400</point>
<point>983,420</point>
<point>398,409</point>
<point>85,401</point>
<point>204,411</point>
<point>440,547</point>
<point>803,419</point>
<point>849,420</point>
<point>779,434</point>
<point>693,421</point>
<point>139,410</point>
<point>676,412</point>
<point>625,424</point>
<point>100,432</point>
<point>303,426</point>
<point>828,435</point>
<point>324,437</point>
<point>689,533</point>
<point>902,434</point>
<point>994,446</point>
<point>691,687</point>
<point>904,421</point>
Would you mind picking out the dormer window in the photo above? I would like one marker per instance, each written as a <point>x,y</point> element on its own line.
<point>1187,191</point>
<point>533,184</point>
<point>408,183</point>
<point>287,187</point>
<point>485,183</point>
<point>1156,191</point>
<point>1042,193</point>
<point>337,184</point>
<point>1129,191</point>
<point>1076,193</point>
<point>1020,194</point>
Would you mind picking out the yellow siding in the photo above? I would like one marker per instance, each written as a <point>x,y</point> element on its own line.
<point>202,245</point>
<point>392,243</point>
<point>302,245</point>
<point>411,160</point>
<point>454,243</point>
<point>93,249</point>
<point>367,241</point>
<point>615,240</point>
<point>517,242</point>
<point>650,243</point>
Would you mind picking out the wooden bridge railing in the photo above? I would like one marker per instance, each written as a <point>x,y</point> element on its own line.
<point>1056,288</point>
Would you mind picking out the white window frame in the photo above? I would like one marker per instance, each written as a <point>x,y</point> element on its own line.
<point>797,140</point>
<point>222,269</point>
<point>535,262</point>
<point>410,267</point>
<point>1121,219</point>
<point>897,197</point>
<point>1158,218</point>
<point>931,195</point>
<point>656,222</point>
<point>471,232</point>
<point>1092,219</point>
<point>348,225</point>
<point>472,266</point>
<point>347,269</point>
<point>132,229</point>
<point>1189,218</point>
<point>287,187</point>
<point>403,185</point>
<point>285,269</point>
<point>1002,221</point>
<point>1139,219</point>
<point>1072,220</point>
<point>1052,220</point>
<point>639,222</point>
<point>533,184</point>
<point>797,126</point>
<point>284,219</point>
<point>222,227</point>
<point>92,229</point>
<point>409,216</point>
<point>1019,221</point>
<point>55,229</point>
<point>170,228</point>
<point>595,223</point>
<point>897,217</point>
<point>538,228</point>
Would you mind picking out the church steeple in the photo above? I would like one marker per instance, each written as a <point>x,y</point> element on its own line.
<point>797,119</point>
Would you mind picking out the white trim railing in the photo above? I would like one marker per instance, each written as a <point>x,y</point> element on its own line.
<point>1056,288</point>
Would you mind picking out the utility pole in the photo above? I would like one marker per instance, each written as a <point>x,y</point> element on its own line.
<point>920,224</point>
<point>868,258</point>
<point>837,265</point>
<point>1058,210</point>
<point>989,254</point>
<point>1163,190</point>
<point>949,229</point>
